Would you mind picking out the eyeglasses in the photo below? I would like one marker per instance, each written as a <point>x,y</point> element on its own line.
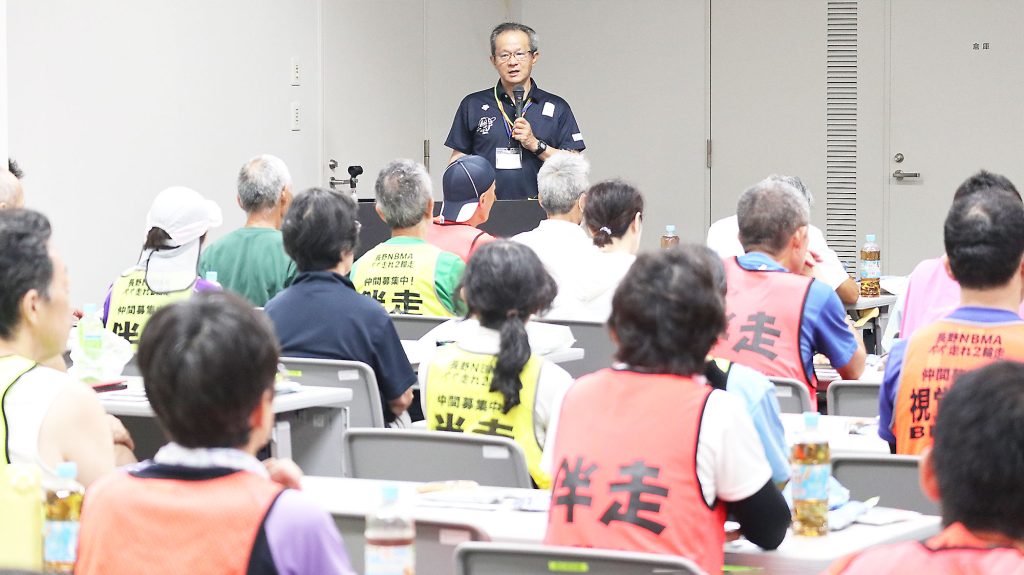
<point>504,57</point>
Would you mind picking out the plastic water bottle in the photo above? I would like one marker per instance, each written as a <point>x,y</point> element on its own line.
<point>390,538</point>
<point>211,276</point>
<point>21,518</point>
<point>63,509</point>
<point>670,237</point>
<point>90,340</point>
<point>811,469</point>
<point>870,268</point>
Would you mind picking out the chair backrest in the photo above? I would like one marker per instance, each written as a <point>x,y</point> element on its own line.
<point>435,542</point>
<point>794,397</point>
<point>596,342</point>
<point>420,455</point>
<point>893,478</point>
<point>502,559</point>
<point>365,409</point>
<point>415,326</point>
<point>853,398</point>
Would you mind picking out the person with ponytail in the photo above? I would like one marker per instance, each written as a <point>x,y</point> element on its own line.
<point>613,214</point>
<point>489,380</point>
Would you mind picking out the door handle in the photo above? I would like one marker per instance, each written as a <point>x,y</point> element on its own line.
<point>900,174</point>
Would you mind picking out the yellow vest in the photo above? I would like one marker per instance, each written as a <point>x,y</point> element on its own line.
<point>401,278</point>
<point>132,303</point>
<point>12,367</point>
<point>459,399</point>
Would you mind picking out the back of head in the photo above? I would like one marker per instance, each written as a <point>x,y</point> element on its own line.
<point>984,238</point>
<point>611,207</point>
<point>668,311</point>
<point>12,167</point>
<point>769,213</point>
<point>25,263</point>
<point>403,193</point>
<point>503,285</point>
<point>978,455</point>
<point>796,183</point>
<point>984,181</point>
<point>206,363</point>
<point>561,181</point>
<point>11,195</point>
<point>319,227</point>
<point>260,182</point>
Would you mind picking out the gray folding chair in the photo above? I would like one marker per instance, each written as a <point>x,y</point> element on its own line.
<point>794,397</point>
<point>415,326</point>
<point>435,542</point>
<point>853,398</point>
<point>893,478</point>
<point>503,558</point>
<point>595,340</point>
<point>417,455</point>
<point>365,409</point>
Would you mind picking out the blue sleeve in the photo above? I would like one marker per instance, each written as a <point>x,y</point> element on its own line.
<point>391,365</point>
<point>569,135</point>
<point>825,324</point>
<point>890,385</point>
<point>759,395</point>
<point>460,137</point>
<point>302,537</point>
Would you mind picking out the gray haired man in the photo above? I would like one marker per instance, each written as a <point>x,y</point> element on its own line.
<point>406,274</point>
<point>251,260</point>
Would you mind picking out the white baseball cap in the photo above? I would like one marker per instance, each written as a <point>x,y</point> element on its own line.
<point>186,216</point>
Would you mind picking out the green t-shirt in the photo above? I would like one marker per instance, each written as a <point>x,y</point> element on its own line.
<point>251,262</point>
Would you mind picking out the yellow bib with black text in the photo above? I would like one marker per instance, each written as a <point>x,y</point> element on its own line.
<point>132,303</point>
<point>401,278</point>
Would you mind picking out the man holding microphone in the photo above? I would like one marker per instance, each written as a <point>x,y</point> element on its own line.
<point>514,125</point>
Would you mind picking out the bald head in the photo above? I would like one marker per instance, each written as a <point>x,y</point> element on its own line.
<point>11,195</point>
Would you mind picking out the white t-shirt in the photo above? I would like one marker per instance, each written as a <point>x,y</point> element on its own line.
<point>27,404</point>
<point>731,464</point>
<point>570,257</point>
<point>597,304</point>
<point>724,238</point>
<point>554,381</point>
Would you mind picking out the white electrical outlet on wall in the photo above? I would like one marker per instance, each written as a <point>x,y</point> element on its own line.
<point>296,75</point>
<point>295,117</point>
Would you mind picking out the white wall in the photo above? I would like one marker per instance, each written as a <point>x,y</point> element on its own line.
<point>110,102</point>
<point>3,80</point>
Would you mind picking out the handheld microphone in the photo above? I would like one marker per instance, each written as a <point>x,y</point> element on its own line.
<point>517,96</point>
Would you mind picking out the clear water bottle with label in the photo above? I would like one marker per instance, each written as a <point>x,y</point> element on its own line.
<point>63,510</point>
<point>811,469</point>
<point>670,237</point>
<point>870,268</point>
<point>90,341</point>
<point>390,537</point>
<point>21,517</point>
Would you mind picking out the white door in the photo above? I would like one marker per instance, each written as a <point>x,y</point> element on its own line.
<point>956,106</point>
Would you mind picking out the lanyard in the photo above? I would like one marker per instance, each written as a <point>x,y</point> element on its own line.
<point>508,122</point>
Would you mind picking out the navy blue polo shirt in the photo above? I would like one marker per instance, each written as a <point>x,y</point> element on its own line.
<point>322,316</point>
<point>479,129</point>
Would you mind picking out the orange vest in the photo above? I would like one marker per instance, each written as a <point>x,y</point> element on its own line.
<point>764,310</point>
<point>609,493</point>
<point>936,354</point>
<point>955,550</point>
<point>164,526</point>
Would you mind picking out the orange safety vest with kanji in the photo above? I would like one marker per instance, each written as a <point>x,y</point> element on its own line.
<point>764,310</point>
<point>166,526</point>
<point>955,550</point>
<point>625,468</point>
<point>936,354</point>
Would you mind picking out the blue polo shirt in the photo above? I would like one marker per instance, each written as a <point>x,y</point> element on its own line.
<point>322,316</point>
<point>823,326</point>
<point>479,129</point>
<point>894,364</point>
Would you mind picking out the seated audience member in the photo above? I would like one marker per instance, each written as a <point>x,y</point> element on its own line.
<point>613,214</point>
<point>723,237</point>
<point>11,194</point>
<point>205,504</point>
<point>984,240</point>
<point>321,315</point>
<point>652,424</point>
<point>778,317</point>
<point>47,416</point>
<point>177,223</point>
<point>559,241</point>
<point>975,476</point>
<point>503,388</point>
<point>468,186</point>
<point>757,391</point>
<point>932,293</point>
<point>251,260</point>
<point>406,274</point>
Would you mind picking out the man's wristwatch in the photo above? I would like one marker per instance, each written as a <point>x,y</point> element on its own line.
<point>541,146</point>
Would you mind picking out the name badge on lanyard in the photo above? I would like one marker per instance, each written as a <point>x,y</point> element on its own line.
<point>508,159</point>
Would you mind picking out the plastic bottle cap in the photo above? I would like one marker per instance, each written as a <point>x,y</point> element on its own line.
<point>871,237</point>
<point>67,470</point>
<point>211,276</point>
<point>670,228</point>
<point>811,419</point>
<point>90,308</point>
<point>389,493</point>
